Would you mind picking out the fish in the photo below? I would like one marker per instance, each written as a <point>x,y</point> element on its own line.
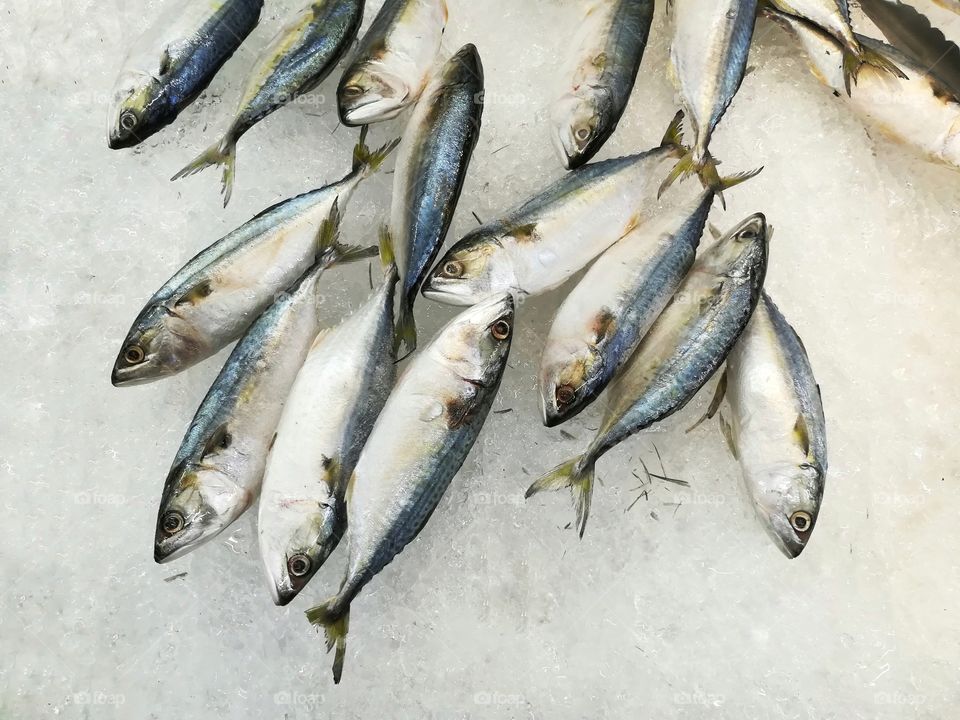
<point>217,471</point>
<point>921,111</point>
<point>171,63</point>
<point>602,320</point>
<point>432,165</point>
<point>681,352</point>
<point>211,300</point>
<point>708,54</point>
<point>333,403</point>
<point>777,429</point>
<point>540,244</point>
<point>608,50</point>
<point>911,32</point>
<point>298,59</point>
<point>417,445</point>
<point>393,62</point>
<point>833,16</point>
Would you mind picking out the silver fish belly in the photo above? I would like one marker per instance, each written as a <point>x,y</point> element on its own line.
<point>418,444</point>
<point>172,62</point>
<point>597,84</point>
<point>683,349</point>
<point>778,430</point>
<point>603,319</point>
<point>326,420</point>
<point>211,300</point>
<point>432,165</point>
<point>393,61</point>
<point>217,472</point>
<point>298,59</point>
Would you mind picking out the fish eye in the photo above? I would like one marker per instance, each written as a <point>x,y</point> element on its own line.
<point>500,330</point>
<point>172,523</point>
<point>453,268</point>
<point>748,234</point>
<point>801,521</point>
<point>299,565</point>
<point>582,133</point>
<point>128,120</point>
<point>134,354</point>
<point>353,91</point>
<point>566,394</point>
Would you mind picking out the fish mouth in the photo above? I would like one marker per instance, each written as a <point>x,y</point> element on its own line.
<point>376,109</point>
<point>492,308</point>
<point>782,535</point>
<point>141,374</point>
<point>447,296</point>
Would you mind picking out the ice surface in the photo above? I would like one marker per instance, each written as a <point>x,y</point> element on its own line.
<point>674,605</point>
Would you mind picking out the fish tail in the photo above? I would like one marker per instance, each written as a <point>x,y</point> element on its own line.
<point>684,167</point>
<point>673,137</point>
<point>335,622</point>
<point>330,251</point>
<point>576,474</point>
<point>407,326</point>
<point>387,256</point>
<point>854,60</point>
<point>223,152</point>
<point>367,161</point>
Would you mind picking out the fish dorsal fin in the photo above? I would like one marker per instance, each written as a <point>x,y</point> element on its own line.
<point>912,33</point>
<point>219,440</point>
<point>194,294</point>
<point>801,434</point>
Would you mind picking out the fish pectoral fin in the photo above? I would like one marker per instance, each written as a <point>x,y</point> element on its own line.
<point>196,293</point>
<point>165,61</point>
<point>730,436</point>
<point>219,440</point>
<point>801,434</point>
<point>718,395</point>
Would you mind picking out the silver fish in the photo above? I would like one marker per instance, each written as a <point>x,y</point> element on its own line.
<point>418,444</point>
<point>603,319</point>
<point>172,62</point>
<point>922,111</point>
<point>548,239</point>
<point>392,64</point>
<point>778,431</point>
<point>329,413</point>
<point>683,349</point>
<point>217,472</point>
<point>432,164</point>
<point>298,59</point>
<point>608,49</point>
<point>833,16</point>
<point>709,51</point>
<point>212,299</point>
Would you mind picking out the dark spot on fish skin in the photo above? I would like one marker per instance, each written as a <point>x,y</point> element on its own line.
<point>524,233</point>
<point>326,462</point>
<point>459,410</point>
<point>600,61</point>
<point>604,325</point>
<point>197,292</point>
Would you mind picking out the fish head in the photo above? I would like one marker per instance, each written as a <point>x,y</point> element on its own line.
<point>371,94</point>
<point>137,109</point>
<point>478,340</point>
<point>302,540</point>
<point>580,124</point>
<point>159,344</point>
<point>788,502</point>
<point>741,252</point>
<point>200,499</point>
<point>569,371</point>
<point>476,268</point>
